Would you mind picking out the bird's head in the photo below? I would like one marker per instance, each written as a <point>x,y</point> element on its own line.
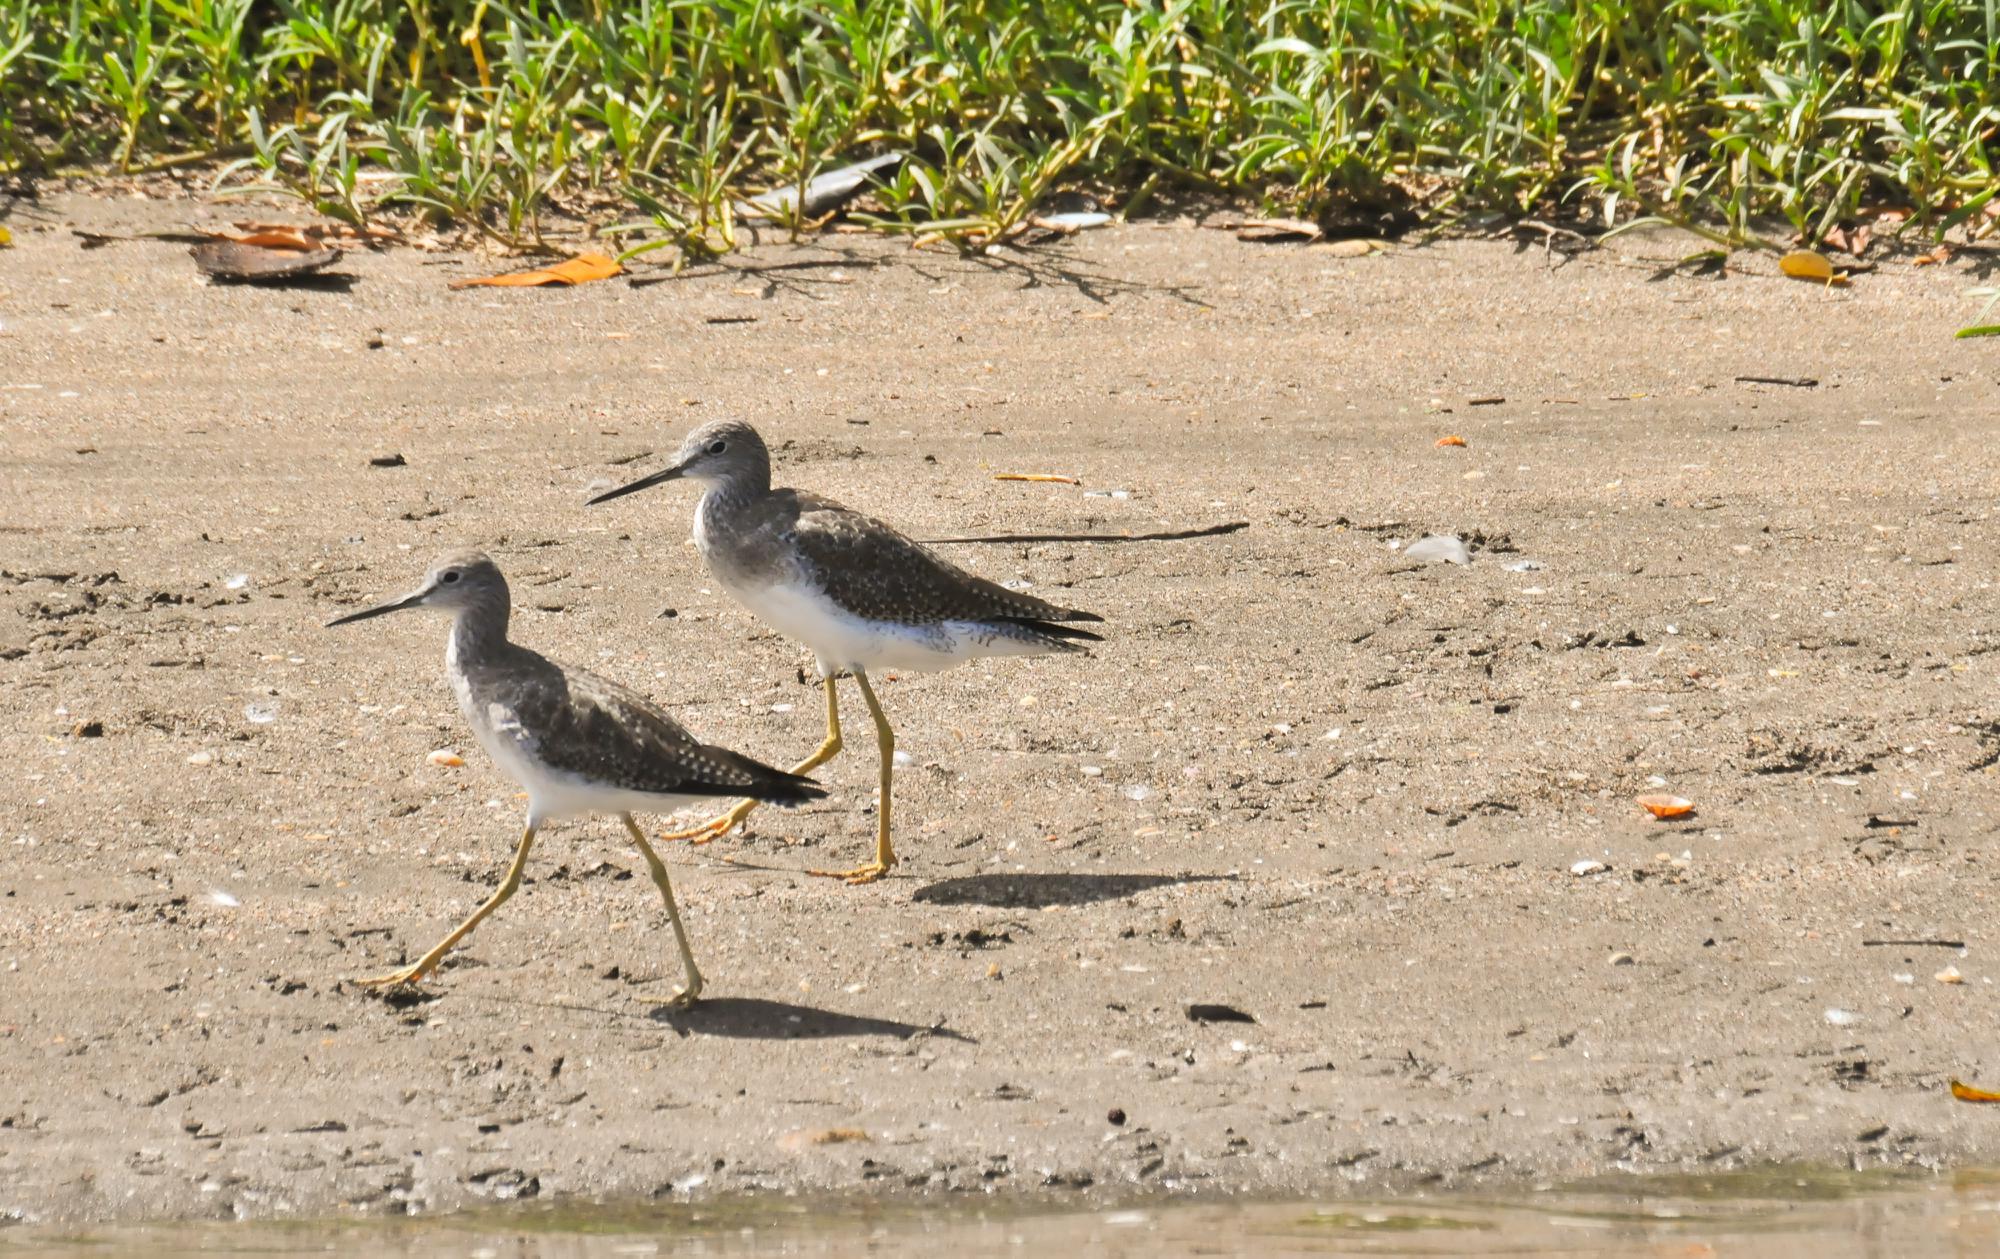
<point>723,451</point>
<point>459,579</point>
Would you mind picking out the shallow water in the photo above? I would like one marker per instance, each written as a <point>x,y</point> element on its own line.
<point>1769,1214</point>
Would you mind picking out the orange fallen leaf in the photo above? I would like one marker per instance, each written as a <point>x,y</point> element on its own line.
<point>323,231</point>
<point>1451,440</point>
<point>1966,1093</point>
<point>271,238</point>
<point>578,270</point>
<point>1050,477</point>
<point>1941,254</point>
<point>1666,806</point>
<point>301,236</point>
<point>1804,264</point>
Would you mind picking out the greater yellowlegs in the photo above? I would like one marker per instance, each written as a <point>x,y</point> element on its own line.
<point>577,743</point>
<point>854,590</point>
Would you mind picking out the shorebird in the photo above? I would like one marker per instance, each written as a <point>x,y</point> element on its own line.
<point>578,744</point>
<point>856,592</point>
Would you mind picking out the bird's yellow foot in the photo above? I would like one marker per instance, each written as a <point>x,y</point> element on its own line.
<point>858,875</point>
<point>684,998</point>
<point>706,833</point>
<point>407,975</point>
<point>713,829</point>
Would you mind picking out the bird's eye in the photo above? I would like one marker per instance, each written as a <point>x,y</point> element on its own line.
<point>717,447</point>
<point>450,575</point>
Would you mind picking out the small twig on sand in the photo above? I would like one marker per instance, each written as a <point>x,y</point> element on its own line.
<point>1573,243</point>
<point>1171,535</point>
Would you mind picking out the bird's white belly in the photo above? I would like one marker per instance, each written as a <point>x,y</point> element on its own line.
<point>843,640</point>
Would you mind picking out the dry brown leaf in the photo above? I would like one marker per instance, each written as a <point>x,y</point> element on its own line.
<point>1849,240</point>
<point>1451,439</point>
<point>1966,1093</point>
<point>232,260</point>
<point>1804,264</point>
<point>1272,230</point>
<point>1050,477</point>
<point>1666,806</point>
<point>1941,254</point>
<point>578,270</point>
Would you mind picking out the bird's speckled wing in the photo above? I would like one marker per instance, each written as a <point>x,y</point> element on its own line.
<point>873,571</point>
<point>585,725</point>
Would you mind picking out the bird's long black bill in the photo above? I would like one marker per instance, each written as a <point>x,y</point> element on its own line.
<point>644,482</point>
<point>380,609</point>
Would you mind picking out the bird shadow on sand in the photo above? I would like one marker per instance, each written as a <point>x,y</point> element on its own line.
<point>755,1018</point>
<point>1038,891</point>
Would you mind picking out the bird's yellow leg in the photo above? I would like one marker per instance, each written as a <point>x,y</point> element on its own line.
<point>689,992</point>
<point>429,961</point>
<point>885,743</point>
<point>710,831</point>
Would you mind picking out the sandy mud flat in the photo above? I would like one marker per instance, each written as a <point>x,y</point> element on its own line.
<point>1382,811</point>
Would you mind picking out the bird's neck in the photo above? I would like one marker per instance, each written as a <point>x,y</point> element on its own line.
<point>723,500</point>
<point>478,633</point>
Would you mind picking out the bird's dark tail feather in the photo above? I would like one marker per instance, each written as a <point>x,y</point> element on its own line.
<point>775,786</point>
<point>762,782</point>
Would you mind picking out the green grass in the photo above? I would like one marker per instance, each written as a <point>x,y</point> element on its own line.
<point>519,119</point>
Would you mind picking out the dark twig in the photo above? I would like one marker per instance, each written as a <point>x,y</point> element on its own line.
<point>1794,382</point>
<point>1171,535</point>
